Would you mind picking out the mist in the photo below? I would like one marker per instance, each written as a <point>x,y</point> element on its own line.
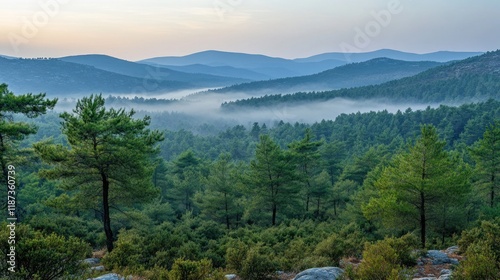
<point>206,108</point>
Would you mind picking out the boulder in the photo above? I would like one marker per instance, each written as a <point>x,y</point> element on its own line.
<point>230,276</point>
<point>451,250</point>
<point>321,273</point>
<point>438,257</point>
<point>425,278</point>
<point>110,276</point>
<point>97,268</point>
<point>92,261</point>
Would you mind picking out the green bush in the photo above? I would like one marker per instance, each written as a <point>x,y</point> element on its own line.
<point>482,250</point>
<point>258,265</point>
<point>380,262</point>
<point>488,232</point>
<point>387,259</point>
<point>41,256</point>
<point>479,264</point>
<point>190,270</point>
<point>128,252</point>
<point>347,243</point>
<point>236,254</point>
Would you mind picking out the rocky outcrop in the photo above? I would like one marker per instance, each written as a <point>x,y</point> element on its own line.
<point>322,273</point>
<point>110,276</point>
<point>438,257</point>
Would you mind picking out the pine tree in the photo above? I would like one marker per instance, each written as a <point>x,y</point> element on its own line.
<point>486,152</point>
<point>272,177</point>
<point>307,158</point>
<point>219,200</point>
<point>109,160</point>
<point>11,132</point>
<point>417,184</point>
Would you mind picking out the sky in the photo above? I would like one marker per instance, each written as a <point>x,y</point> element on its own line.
<point>135,30</point>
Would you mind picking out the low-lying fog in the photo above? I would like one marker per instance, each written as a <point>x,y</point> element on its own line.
<point>207,107</point>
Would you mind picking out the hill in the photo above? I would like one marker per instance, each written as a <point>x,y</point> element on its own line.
<point>371,72</point>
<point>472,79</point>
<point>274,67</point>
<point>60,78</point>
<point>441,56</point>
<point>139,70</point>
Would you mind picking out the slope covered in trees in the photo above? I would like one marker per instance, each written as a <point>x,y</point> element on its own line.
<point>259,199</point>
<point>372,72</point>
<point>470,80</point>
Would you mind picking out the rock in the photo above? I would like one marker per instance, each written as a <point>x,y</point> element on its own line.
<point>110,276</point>
<point>97,268</point>
<point>451,250</point>
<point>438,257</point>
<point>92,261</point>
<point>425,278</point>
<point>444,272</point>
<point>230,276</point>
<point>322,273</point>
<point>454,261</point>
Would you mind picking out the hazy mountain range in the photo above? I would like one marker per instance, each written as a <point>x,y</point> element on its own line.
<point>469,80</point>
<point>274,67</point>
<point>86,74</point>
<point>371,72</point>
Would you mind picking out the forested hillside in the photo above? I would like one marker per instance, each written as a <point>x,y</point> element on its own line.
<point>253,200</point>
<point>472,79</point>
<point>372,72</point>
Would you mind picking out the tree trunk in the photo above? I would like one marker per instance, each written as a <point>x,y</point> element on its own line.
<point>227,211</point>
<point>105,208</point>
<point>492,193</point>
<point>422,219</point>
<point>317,208</point>
<point>274,214</point>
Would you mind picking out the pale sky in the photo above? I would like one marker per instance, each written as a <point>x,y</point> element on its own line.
<point>134,30</point>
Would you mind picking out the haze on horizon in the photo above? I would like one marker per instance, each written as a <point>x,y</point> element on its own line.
<point>136,30</point>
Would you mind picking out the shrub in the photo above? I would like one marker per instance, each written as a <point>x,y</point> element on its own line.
<point>348,242</point>
<point>257,265</point>
<point>190,270</point>
<point>479,264</point>
<point>128,252</point>
<point>387,258</point>
<point>40,256</point>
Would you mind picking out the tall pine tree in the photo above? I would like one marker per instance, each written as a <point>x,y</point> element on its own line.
<point>109,160</point>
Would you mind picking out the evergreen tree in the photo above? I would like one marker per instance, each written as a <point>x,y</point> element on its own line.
<point>272,177</point>
<point>486,152</point>
<point>307,158</point>
<point>110,158</point>
<point>219,200</point>
<point>11,132</point>
<point>417,184</point>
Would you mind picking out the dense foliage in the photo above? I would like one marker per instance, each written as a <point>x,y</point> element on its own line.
<point>264,198</point>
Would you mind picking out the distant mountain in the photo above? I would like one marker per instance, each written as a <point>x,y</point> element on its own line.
<point>226,71</point>
<point>272,67</point>
<point>442,56</point>
<point>375,71</point>
<point>469,80</point>
<point>7,57</point>
<point>60,78</point>
<point>144,71</point>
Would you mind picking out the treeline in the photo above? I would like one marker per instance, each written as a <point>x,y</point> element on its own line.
<point>474,79</point>
<point>254,200</point>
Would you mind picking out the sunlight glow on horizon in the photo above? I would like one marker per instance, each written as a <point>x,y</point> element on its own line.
<point>132,30</point>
